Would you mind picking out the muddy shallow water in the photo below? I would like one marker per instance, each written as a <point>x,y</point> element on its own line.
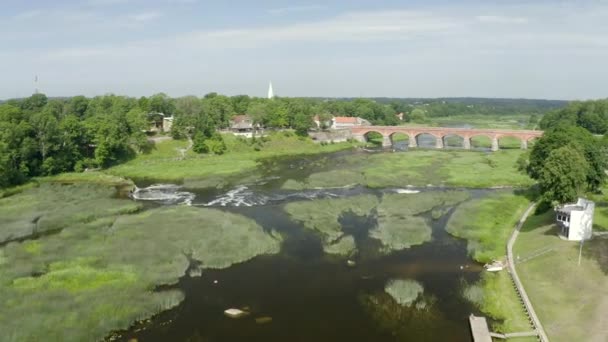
<point>309,295</point>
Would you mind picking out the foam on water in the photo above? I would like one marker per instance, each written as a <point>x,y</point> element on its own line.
<point>239,196</point>
<point>406,191</point>
<point>244,196</point>
<point>163,193</point>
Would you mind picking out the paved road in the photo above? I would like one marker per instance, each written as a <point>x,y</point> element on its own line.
<point>520,288</point>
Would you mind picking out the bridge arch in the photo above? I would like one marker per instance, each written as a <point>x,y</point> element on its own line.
<point>454,140</point>
<point>374,137</point>
<point>427,139</point>
<point>440,137</point>
<point>481,140</point>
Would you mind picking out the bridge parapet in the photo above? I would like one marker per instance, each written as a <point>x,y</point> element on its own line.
<point>440,133</point>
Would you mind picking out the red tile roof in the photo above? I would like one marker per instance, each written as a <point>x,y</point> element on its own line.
<point>240,118</point>
<point>345,120</point>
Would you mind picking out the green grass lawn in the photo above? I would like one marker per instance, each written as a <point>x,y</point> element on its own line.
<point>484,121</point>
<point>600,217</point>
<point>165,163</point>
<point>570,300</point>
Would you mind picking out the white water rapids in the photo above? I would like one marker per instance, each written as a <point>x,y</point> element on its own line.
<point>163,193</point>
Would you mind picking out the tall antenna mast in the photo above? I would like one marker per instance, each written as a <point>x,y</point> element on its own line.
<point>36,84</point>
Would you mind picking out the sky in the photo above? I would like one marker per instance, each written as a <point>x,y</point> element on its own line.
<point>329,48</point>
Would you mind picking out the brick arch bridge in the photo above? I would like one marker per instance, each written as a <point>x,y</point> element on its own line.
<point>440,133</point>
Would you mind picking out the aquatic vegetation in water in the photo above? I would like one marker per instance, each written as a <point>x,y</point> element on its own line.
<point>97,277</point>
<point>419,321</point>
<point>322,215</point>
<point>345,246</point>
<point>52,207</point>
<point>399,221</point>
<point>399,224</point>
<point>327,179</point>
<point>421,167</point>
<point>404,291</point>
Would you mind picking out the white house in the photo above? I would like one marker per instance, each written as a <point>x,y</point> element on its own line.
<point>575,221</point>
<point>346,121</point>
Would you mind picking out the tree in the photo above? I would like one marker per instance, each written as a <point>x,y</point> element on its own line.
<point>417,115</point>
<point>216,144</point>
<point>78,106</point>
<point>563,176</point>
<point>591,147</point>
<point>35,102</point>
<point>199,143</point>
<point>302,124</point>
<point>161,103</point>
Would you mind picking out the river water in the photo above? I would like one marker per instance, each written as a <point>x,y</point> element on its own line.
<point>309,295</point>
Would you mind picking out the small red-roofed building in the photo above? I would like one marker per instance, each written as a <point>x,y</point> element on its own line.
<point>338,122</point>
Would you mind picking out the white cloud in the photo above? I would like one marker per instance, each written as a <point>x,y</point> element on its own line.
<point>440,51</point>
<point>146,16</point>
<point>501,19</point>
<point>355,26</point>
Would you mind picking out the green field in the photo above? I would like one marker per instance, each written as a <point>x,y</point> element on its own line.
<point>484,121</point>
<point>571,300</point>
<point>164,162</point>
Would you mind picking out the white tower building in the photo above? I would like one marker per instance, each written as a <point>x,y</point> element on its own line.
<point>270,92</point>
<point>575,221</point>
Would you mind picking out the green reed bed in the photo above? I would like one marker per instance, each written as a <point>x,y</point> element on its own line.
<point>93,278</point>
<point>52,207</point>
<point>420,168</point>
<point>399,221</point>
<point>400,225</point>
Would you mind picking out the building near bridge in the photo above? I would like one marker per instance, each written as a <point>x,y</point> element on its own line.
<point>575,221</point>
<point>338,122</point>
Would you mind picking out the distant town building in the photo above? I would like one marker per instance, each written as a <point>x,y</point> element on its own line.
<point>399,116</point>
<point>321,124</point>
<point>338,122</point>
<point>243,125</point>
<point>159,122</point>
<point>167,124</point>
<point>575,221</point>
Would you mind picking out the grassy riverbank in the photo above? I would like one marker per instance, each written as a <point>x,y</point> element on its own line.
<point>487,224</point>
<point>571,300</point>
<point>165,162</point>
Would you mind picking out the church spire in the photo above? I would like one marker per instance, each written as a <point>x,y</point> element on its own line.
<point>270,92</point>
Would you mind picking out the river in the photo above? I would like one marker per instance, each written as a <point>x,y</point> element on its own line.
<point>309,295</point>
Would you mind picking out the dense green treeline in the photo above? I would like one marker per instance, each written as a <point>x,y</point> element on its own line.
<point>569,160</point>
<point>591,115</point>
<point>41,136</point>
